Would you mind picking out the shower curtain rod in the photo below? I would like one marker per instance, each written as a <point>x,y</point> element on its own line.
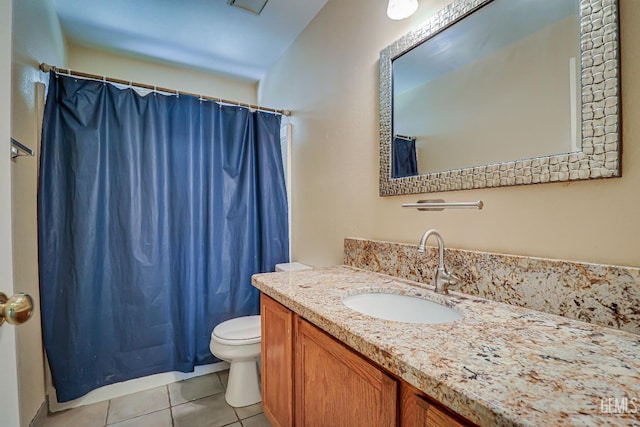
<point>46,68</point>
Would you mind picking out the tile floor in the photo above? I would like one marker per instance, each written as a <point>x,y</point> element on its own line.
<point>196,402</point>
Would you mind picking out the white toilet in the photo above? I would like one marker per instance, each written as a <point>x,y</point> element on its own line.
<point>237,341</point>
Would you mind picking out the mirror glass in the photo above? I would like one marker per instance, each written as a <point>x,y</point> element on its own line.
<point>501,92</point>
<point>476,94</point>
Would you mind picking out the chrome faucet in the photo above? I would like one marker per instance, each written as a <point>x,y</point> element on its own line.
<point>442,279</point>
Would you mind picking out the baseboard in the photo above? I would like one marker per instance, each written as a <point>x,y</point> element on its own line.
<point>41,415</point>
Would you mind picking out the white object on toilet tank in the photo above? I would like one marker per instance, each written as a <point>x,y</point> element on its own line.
<point>292,266</point>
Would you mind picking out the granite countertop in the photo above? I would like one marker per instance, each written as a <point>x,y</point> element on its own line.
<point>499,365</point>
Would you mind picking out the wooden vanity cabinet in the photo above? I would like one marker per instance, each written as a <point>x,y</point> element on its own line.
<point>334,386</point>
<point>311,379</point>
<point>277,362</point>
<point>418,410</point>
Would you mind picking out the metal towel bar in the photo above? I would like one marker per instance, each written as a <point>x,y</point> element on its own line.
<point>440,205</point>
<point>18,149</point>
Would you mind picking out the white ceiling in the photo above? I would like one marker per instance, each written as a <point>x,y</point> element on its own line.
<point>206,35</point>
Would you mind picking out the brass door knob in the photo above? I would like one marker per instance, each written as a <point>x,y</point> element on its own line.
<point>15,310</point>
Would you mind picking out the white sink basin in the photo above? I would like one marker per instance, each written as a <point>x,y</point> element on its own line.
<point>401,308</point>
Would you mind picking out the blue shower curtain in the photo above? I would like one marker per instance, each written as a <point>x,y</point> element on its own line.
<point>405,159</point>
<point>153,213</point>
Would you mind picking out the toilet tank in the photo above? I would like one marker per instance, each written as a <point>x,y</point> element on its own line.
<point>292,266</point>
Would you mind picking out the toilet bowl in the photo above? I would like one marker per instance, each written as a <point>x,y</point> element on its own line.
<point>237,341</point>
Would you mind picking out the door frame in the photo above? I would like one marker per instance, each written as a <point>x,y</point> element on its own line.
<point>9,403</point>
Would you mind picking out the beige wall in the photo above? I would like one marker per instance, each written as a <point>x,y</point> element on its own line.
<point>126,68</point>
<point>36,38</point>
<point>329,77</point>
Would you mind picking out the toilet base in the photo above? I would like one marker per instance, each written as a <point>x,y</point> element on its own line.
<point>243,388</point>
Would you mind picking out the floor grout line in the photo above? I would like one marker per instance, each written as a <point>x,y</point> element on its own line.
<point>106,417</point>
<point>169,395</point>
<point>173,424</point>
<point>235,412</point>
<point>140,416</point>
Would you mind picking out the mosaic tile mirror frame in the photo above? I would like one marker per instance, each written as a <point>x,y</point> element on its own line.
<point>599,156</point>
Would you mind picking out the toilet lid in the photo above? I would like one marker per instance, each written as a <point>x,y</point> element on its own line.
<point>246,329</point>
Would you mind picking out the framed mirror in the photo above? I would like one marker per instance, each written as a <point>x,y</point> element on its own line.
<point>491,93</point>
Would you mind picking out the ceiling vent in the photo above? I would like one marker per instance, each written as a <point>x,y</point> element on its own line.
<point>253,6</point>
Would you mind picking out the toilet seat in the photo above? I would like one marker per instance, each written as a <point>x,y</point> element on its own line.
<point>239,331</point>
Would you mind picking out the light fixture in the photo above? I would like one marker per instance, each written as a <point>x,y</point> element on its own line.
<point>253,6</point>
<point>400,9</point>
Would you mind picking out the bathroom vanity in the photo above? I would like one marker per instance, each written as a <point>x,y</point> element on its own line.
<point>333,384</point>
<point>498,365</point>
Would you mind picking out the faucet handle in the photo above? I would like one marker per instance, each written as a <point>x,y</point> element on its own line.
<point>453,278</point>
<point>449,279</point>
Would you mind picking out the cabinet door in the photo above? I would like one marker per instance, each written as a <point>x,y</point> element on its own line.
<point>277,362</point>
<point>337,387</point>
<point>417,411</point>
